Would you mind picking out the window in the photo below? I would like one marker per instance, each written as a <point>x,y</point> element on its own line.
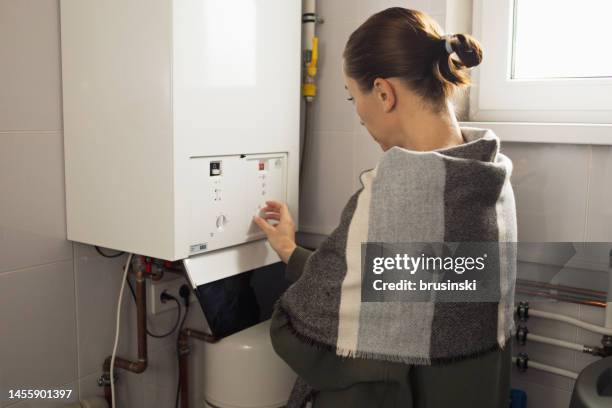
<point>544,61</point>
<point>570,45</point>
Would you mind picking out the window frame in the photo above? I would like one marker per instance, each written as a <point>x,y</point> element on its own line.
<point>584,104</point>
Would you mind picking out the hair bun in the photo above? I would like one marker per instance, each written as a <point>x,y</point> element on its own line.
<point>404,43</point>
<point>452,69</point>
<point>468,49</point>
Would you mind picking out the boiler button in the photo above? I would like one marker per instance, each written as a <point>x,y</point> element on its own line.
<point>221,221</point>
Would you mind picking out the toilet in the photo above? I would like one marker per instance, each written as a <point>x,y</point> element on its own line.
<point>243,371</point>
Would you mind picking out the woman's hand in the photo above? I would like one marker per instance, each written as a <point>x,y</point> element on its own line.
<point>282,235</point>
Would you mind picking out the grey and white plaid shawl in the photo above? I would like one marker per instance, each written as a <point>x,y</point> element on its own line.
<point>457,194</point>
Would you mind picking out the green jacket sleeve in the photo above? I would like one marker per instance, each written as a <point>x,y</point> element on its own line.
<point>296,262</point>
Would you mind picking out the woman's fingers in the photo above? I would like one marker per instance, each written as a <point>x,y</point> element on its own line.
<point>271,209</point>
<point>284,211</point>
<point>280,209</point>
<point>274,203</point>
<point>272,216</point>
<point>277,205</point>
<point>263,224</point>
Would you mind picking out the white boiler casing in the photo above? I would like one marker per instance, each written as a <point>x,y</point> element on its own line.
<point>154,93</point>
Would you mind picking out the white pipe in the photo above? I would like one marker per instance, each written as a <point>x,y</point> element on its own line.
<point>549,369</point>
<point>309,28</point>
<point>555,342</point>
<point>606,331</point>
<point>117,326</point>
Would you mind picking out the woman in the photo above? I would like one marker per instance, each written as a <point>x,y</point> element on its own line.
<point>435,182</point>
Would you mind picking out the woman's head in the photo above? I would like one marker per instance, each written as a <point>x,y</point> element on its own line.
<point>399,56</point>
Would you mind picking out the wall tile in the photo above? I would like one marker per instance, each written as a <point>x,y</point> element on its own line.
<point>599,216</point>
<point>97,282</point>
<point>329,183</point>
<point>129,389</point>
<point>437,7</point>
<point>593,315</point>
<point>369,7</point>
<point>551,328</point>
<point>32,213</point>
<point>197,360</point>
<point>335,10</point>
<point>88,386</point>
<point>440,19</point>
<point>545,354</point>
<point>543,397</point>
<point>331,110</point>
<point>161,378</point>
<point>163,367</point>
<point>541,378</point>
<point>3,387</point>
<point>550,200</point>
<point>31,81</point>
<point>39,340</point>
<point>583,278</point>
<point>583,360</point>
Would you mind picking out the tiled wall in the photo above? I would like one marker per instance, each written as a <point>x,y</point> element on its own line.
<point>562,191</point>
<point>58,299</point>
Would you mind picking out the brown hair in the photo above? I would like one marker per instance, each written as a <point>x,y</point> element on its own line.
<point>404,43</point>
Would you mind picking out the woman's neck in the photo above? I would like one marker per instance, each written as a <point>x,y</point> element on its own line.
<point>426,131</point>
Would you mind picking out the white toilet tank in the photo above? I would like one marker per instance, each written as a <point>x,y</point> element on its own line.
<point>243,371</point>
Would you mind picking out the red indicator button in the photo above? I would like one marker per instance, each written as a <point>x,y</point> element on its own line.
<point>261,166</point>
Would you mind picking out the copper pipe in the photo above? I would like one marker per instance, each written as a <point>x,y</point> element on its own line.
<point>158,271</point>
<point>107,392</point>
<point>196,334</point>
<point>184,350</point>
<point>571,289</point>
<point>141,319</point>
<point>569,299</point>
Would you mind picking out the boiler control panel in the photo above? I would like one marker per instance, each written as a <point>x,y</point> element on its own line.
<point>227,191</point>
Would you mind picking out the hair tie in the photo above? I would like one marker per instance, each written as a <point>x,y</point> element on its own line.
<point>447,42</point>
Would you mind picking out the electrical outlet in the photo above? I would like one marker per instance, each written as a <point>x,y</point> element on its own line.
<point>171,287</point>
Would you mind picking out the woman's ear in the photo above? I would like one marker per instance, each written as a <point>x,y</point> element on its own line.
<point>385,94</point>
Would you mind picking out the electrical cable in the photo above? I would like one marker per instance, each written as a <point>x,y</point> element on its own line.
<point>117,255</point>
<point>176,322</point>
<point>112,363</point>
<point>178,351</point>
<point>178,316</point>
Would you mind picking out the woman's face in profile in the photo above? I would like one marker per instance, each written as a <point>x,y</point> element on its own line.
<point>364,106</point>
<point>372,111</point>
